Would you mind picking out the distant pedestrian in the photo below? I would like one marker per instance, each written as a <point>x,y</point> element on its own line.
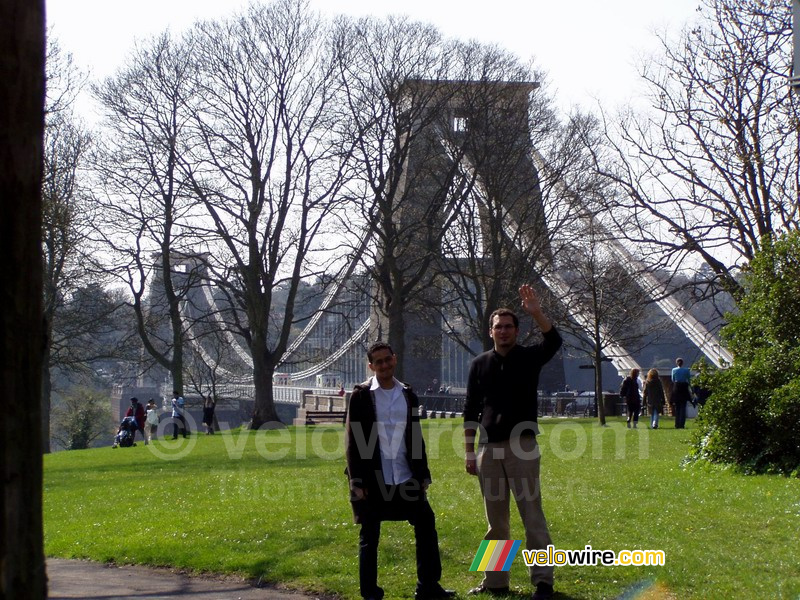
<point>341,390</point>
<point>151,420</point>
<point>136,411</point>
<point>208,414</point>
<point>654,396</point>
<point>178,408</point>
<point>630,394</point>
<point>681,392</point>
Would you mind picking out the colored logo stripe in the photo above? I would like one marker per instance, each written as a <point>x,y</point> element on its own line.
<point>479,556</point>
<point>495,555</point>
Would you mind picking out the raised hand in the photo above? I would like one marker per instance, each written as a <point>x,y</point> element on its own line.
<point>530,301</point>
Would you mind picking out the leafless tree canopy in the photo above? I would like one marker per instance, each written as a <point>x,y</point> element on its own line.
<point>67,222</point>
<point>712,168</point>
<point>263,151</point>
<point>144,199</point>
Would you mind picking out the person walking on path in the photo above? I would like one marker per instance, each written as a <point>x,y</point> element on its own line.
<point>681,392</point>
<point>388,473</point>
<point>178,407</point>
<point>502,403</point>
<point>632,396</point>
<point>653,395</point>
<point>151,420</point>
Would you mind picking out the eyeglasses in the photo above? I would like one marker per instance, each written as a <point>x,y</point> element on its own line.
<point>381,361</point>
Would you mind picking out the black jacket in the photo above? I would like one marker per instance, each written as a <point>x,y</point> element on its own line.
<point>362,447</point>
<point>629,391</point>
<point>502,390</point>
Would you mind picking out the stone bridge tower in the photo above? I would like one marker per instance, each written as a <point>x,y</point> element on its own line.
<point>468,138</point>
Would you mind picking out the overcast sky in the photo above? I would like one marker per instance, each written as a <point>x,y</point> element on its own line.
<point>589,48</point>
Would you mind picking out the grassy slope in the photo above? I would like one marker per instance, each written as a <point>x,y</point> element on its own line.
<point>274,504</point>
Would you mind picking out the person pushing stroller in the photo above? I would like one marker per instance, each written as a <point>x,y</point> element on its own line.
<point>137,414</point>
<point>125,433</point>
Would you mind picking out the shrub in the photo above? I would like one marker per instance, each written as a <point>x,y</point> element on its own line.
<point>752,417</point>
<point>82,416</point>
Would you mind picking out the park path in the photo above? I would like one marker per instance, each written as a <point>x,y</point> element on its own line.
<point>73,579</point>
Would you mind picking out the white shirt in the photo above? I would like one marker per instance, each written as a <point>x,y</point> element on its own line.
<point>152,416</point>
<point>391,411</point>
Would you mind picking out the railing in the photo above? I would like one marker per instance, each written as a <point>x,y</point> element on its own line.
<point>553,405</point>
<point>442,402</point>
<point>283,394</point>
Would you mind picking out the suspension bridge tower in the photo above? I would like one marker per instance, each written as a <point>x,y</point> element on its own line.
<point>469,150</point>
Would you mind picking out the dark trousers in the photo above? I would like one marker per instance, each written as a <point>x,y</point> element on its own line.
<point>680,414</point>
<point>175,426</point>
<point>634,408</point>
<point>680,396</point>
<point>401,505</point>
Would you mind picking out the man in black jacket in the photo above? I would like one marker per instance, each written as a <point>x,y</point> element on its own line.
<point>388,471</point>
<point>502,401</point>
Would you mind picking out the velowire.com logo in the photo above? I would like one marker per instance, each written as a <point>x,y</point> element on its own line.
<point>495,555</point>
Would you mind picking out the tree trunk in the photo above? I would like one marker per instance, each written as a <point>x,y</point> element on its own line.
<point>176,370</point>
<point>263,368</point>
<point>397,334</point>
<point>598,389</point>
<point>47,392</point>
<point>22,51</point>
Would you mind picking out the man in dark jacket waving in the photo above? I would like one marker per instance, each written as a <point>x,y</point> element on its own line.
<point>502,402</point>
<point>388,471</point>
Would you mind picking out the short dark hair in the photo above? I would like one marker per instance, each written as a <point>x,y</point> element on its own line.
<point>679,362</point>
<point>378,346</point>
<point>504,312</point>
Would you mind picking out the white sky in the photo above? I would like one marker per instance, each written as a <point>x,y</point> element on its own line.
<point>589,48</point>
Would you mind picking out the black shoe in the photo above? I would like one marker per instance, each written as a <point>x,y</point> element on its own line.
<point>433,592</point>
<point>544,591</point>
<point>482,589</point>
<point>376,595</point>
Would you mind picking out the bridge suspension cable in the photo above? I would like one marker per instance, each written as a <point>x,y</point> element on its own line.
<point>622,360</point>
<point>341,280</point>
<point>706,341</point>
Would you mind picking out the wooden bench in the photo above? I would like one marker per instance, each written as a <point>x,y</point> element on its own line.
<point>312,417</point>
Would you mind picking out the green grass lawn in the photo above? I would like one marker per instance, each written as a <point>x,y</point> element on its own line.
<point>273,505</point>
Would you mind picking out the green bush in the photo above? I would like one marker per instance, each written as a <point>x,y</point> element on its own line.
<point>79,418</point>
<point>752,418</point>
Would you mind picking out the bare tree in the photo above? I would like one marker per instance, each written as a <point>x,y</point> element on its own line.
<point>602,304</point>
<point>712,168</point>
<point>264,168</point>
<point>22,100</point>
<point>503,235</point>
<point>212,366</point>
<point>144,201</point>
<point>66,215</point>
<point>408,182</point>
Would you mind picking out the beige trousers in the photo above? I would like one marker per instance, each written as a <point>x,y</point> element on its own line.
<point>511,469</point>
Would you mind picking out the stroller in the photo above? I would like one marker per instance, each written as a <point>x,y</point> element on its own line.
<point>125,433</point>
